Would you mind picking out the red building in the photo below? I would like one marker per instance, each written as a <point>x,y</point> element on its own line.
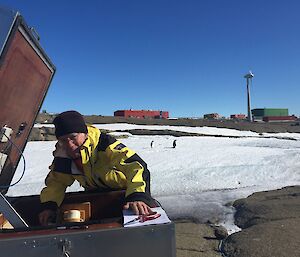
<point>142,114</point>
<point>213,116</point>
<point>238,116</point>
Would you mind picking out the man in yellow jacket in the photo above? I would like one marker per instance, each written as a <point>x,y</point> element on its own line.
<point>97,161</point>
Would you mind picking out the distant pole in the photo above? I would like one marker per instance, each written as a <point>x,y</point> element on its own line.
<point>249,77</point>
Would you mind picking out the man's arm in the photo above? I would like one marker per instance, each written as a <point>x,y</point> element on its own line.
<point>56,184</point>
<point>138,196</point>
<point>53,194</point>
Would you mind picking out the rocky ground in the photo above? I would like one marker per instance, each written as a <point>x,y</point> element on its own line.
<point>275,127</point>
<point>260,127</point>
<point>196,240</point>
<point>270,223</point>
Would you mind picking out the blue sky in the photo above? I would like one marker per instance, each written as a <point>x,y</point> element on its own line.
<point>186,57</point>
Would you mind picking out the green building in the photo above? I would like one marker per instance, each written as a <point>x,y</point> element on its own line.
<point>277,112</point>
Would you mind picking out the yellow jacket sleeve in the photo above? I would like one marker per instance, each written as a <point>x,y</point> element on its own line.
<point>56,184</point>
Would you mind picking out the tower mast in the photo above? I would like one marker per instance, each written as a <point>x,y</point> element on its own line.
<point>249,77</point>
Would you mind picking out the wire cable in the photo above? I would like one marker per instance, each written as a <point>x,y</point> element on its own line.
<point>24,163</point>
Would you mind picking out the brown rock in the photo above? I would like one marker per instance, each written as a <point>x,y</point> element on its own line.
<point>267,206</point>
<point>272,239</point>
<point>195,240</point>
<point>220,232</point>
<point>271,222</point>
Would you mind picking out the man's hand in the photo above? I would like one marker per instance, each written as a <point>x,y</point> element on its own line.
<point>46,216</point>
<point>138,207</point>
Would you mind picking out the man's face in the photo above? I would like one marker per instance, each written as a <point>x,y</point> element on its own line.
<point>72,143</point>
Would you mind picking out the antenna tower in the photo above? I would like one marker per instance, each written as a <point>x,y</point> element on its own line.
<point>248,78</point>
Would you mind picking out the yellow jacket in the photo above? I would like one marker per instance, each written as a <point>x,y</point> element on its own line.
<point>107,164</point>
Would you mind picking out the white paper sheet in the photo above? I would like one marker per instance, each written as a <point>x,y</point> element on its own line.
<point>128,216</point>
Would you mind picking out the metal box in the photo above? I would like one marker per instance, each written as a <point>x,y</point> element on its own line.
<point>102,235</point>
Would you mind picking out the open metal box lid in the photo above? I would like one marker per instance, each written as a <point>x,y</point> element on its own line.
<point>25,76</point>
<point>7,18</point>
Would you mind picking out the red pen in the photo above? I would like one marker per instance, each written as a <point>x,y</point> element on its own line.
<point>152,216</point>
<point>143,218</point>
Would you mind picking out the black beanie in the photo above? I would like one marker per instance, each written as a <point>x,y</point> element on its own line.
<point>69,122</point>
